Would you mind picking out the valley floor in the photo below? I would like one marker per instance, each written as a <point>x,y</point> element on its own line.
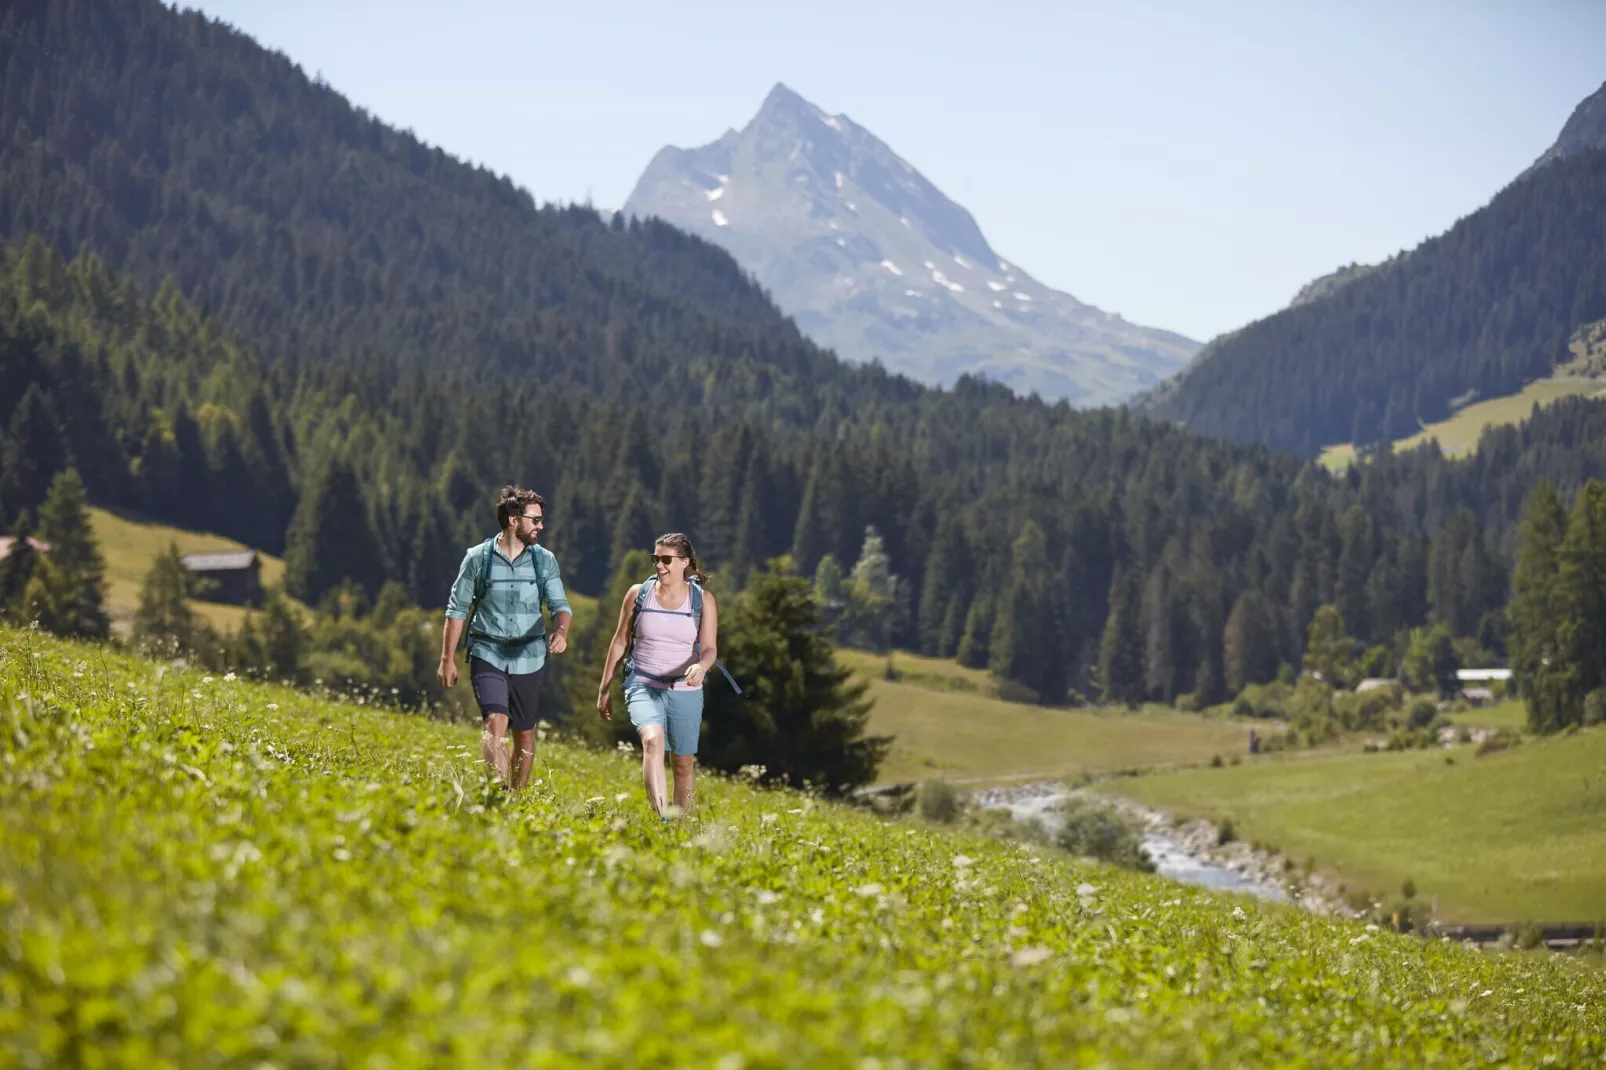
<point>1516,835</point>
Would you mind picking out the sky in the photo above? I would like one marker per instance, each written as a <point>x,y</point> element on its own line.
<point>1186,165</point>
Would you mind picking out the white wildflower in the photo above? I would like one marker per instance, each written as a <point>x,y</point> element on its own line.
<point>229,678</point>
<point>273,705</point>
<point>868,889</point>
<point>1030,956</point>
<point>710,938</point>
<point>961,861</point>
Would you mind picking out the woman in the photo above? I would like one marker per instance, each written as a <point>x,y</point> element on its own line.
<point>670,626</point>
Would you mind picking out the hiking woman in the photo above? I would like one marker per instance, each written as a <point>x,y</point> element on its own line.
<point>671,651</point>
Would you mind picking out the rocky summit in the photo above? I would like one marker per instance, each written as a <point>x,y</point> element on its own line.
<point>874,261</point>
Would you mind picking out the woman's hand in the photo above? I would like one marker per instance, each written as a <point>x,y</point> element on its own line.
<point>695,674</point>
<point>605,703</point>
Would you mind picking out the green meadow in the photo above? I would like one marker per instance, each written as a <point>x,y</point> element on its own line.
<point>201,871</point>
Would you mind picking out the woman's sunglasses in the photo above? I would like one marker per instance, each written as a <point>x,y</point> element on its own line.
<point>665,559</point>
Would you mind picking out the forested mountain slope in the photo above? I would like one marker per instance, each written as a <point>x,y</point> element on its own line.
<point>1485,307</point>
<point>364,337</point>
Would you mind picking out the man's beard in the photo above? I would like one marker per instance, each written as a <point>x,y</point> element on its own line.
<point>528,540</point>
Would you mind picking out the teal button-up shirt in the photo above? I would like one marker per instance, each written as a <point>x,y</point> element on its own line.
<point>511,608</point>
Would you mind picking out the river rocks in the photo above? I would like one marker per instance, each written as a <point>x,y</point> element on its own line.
<point>1188,851</point>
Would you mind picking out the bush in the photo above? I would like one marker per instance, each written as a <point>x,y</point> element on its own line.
<point>937,801</point>
<point>1096,830</point>
<point>1227,833</point>
<point>1215,761</point>
<point>1595,707</point>
<point>1421,712</point>
<point>1500,741</point>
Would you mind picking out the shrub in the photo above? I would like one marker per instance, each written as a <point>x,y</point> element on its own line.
<point>1421,712</point>
<point>1215,761</point>
<point>1500,741</point>
<point>1226,833</point>
<point>1595,707</point>
<point>1096,830</point>
<point>937,801</point>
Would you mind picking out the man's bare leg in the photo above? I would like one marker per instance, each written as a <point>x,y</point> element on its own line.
<point>652,766</point>
<point>523,758</point>
<point>491,744</point>
<point>685,773</point>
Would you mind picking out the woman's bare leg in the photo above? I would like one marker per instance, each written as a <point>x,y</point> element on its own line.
<point>685,774</point>
<point>652,766</point>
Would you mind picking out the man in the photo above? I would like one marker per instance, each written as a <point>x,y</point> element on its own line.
<point>500,588</point>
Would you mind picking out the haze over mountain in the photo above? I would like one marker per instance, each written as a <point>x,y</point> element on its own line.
<point>874,261</point>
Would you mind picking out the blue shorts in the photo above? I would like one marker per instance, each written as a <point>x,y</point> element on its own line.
<point>679,713</point>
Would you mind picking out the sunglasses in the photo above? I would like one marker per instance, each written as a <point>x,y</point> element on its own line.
<point>665,559</point>
<point>534,519</point>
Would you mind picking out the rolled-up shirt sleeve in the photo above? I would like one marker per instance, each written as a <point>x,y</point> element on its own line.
<point>556,600</point>
<point>457,602</point>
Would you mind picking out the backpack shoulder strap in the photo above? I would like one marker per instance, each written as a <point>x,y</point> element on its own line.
<point>482,581</point>
<point>696,605</point>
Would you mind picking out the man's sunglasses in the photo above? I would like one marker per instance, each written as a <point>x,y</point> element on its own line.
<point>537,518</point>
<point>665,559</point>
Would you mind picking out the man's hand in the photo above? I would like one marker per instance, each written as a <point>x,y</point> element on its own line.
<point>695,674</point>
<point>447,673</point>
<point>605,703</point>
<point>558,641</point>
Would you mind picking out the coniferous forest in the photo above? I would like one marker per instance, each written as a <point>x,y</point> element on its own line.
<point>1479,311</point>
<point>232,301</point>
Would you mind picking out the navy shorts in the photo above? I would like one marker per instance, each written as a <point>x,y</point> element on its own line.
<point>516,696</point>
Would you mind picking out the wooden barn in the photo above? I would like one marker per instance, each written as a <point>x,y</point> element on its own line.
<point>235,575</point>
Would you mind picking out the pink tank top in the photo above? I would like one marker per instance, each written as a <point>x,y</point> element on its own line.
<point>665,639</point>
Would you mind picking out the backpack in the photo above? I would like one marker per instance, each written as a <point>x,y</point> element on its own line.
<point>696,614</point>
<point>482,584</point>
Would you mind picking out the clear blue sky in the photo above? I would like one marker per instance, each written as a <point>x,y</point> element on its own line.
<point>1188,165</point>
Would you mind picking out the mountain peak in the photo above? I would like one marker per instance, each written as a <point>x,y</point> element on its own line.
<point>1585,129</point>
<point>875,261</point>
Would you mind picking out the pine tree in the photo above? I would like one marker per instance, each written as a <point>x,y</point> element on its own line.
<point>633,527</point>
<point>17,568</point>
<point>1537,660</point>
<point>67,591</point>
<point>1329,648</point>
<point>804,717</point>
<point>947,582</point>
<point>1581,579</point>
<point>164,623</point>
<point>37,449</point>
<point>1121,645</point>
<point>1249,643</point>
<point>1027,639</point>
<point>973,641</point>
<point>331,539</point>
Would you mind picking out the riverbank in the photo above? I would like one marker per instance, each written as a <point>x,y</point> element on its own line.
<point>1189,851</point>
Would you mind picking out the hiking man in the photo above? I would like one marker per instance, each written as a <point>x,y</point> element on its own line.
<point>500,588</point>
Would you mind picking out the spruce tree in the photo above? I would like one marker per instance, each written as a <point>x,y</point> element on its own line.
<point>17,568</point>
<point>803,717</point>
<point>164,623</point>
<point>68,588</point>
<point>1249,642</point>
<point>37,450</point>
<point>331,539</point>
<point>1121,645</point>
<point>1581,579</point>
<point>1537,661</point>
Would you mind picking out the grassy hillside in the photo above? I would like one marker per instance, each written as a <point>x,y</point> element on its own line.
<point>947,721</point>
<point>131,545</point>
<point>206,871</point>
<point>1512,836</point>
<point>1459,434</point>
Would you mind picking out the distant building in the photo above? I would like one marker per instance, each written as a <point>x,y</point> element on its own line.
<point>1372,683</point>
<point>1482,676</point>
<point>7,540</point>
<point>1477,696</point>
<point>235,575</point>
